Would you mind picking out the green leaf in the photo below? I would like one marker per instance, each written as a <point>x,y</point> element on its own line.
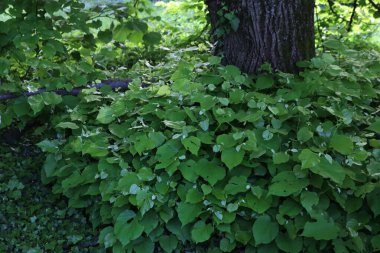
<point>204,125</point>
<point>150,221</point>
<point>375,241</point>
<point>126,231</point>
<point>105,36</point>
<point>107,237</point>
<point>157,137</point>
<point>206,189</point>
<point>224,101</point>
<point>188,212</point>
<point>333,171</point>
<point>286,183</point>
<point>121,33</point>
<point>146,246</point>
<point>373,168</point>
<point>232,158</point>
<point>142,143</point>
<point>375,126</point>
<point>309,199</point>
<point>309,159</point>
<point>232,71</point>
<point>164,90</point>
<point>105,115</point>
<point>264,82</point>
<point>4,66</point>
<point>48,146</point>
<point>143,199</point>
<point>194,196</point>
<point>267,135</point>
<point>69,125</point>
<point>36,103</point>
<point>152,38</point>
<point>288,245</point>
<point>290,208</point>
<point>334,44</point>
<point>279,158</point>
<point>168,151</point>
<point>201,232</point>
<point>377,15</point>
<point>192,144</point>
<point>373,202</point>
<point>21,107</point>
<point>214,60</point>
<point>188,170</point>
<point>226,140</point>
<point>178,125</point>
<point>236,185</point>
<point>259,205</point>
<point>207,102</point>
<point>137,25</point>
<point>50,98</point>
<point>234,20</point>
<point>127,181</point>
<point>49,50</point>
<point>168,243</point>
<point>226,245</point>
<point>264,230</point>
<point>96,147</point>
<point>342,144</point>
<point>304,134</point>
<point>321,230</point>
<point>209,171</point>
<point>49,165</point>
<point>120,131</point>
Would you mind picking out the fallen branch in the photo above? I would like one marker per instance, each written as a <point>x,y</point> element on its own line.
<point>121,85</point>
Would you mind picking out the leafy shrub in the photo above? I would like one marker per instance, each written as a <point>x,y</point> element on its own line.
<point>220,162</point>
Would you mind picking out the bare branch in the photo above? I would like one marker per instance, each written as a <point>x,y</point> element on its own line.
<point>374,5</point>
<point>355,5</point>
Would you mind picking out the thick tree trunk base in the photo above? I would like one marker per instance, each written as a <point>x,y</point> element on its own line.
<point>279,32</point>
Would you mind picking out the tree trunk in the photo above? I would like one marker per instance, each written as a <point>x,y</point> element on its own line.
<point>279,32</point>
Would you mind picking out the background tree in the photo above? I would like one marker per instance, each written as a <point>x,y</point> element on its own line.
<point>276,31</point>
<point>252,32</point>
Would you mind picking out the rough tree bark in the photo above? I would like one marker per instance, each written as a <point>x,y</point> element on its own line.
<point>279,32</point>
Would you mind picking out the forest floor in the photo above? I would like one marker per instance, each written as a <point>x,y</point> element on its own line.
<point>32,218</point>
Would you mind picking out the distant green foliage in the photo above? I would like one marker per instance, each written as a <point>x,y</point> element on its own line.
<point>336,18</point>
<point>59,44</point>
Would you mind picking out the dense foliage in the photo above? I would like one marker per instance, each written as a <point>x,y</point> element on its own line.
<point>204,158</point>
<point>32,218</point>
<point>213,159</point>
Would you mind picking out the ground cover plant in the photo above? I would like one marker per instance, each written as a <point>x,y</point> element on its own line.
<point>195,156</point>
<point>32,218</point>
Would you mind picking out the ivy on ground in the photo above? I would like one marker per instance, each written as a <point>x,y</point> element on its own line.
<point>203,159</point>
<point>219,161</point>
<point>32,219</point>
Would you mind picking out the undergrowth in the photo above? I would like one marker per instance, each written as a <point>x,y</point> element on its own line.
<point>32,219</point>
<point>195,156</point>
